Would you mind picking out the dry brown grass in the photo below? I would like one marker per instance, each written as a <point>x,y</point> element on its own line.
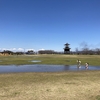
<point>83,85</point>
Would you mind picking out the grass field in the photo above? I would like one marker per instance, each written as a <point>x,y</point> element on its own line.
<point>78,85</point>
<point>82,85</point>
<point>50,59</point>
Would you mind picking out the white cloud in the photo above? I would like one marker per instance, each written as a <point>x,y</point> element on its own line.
<point>41,49</point>
<point>20,49</point>
<point>16,49</point>
<point>3,48</point>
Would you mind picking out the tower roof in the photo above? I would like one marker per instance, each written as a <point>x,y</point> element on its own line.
<point>67,44</point>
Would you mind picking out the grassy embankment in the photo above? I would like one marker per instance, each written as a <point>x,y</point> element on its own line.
<point>81,85</point>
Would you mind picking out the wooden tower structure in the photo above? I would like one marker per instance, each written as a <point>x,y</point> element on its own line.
<point>67,49</point>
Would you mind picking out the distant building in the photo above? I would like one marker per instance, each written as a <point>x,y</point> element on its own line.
<point>67,49</point>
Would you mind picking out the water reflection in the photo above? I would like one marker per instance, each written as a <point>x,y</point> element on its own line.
<point>43,68</point>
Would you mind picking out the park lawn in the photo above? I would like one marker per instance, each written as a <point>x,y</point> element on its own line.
<point>70,85</point>
<point>77,85</point>
<point>60,59</point>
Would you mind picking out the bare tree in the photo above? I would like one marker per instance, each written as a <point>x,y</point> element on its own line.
<point>97,50</point>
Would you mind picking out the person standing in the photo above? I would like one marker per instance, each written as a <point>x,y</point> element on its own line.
<point>78,63</point>
<point>86,65</point>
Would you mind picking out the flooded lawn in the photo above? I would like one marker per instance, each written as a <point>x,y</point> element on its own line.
<point>43,68</point>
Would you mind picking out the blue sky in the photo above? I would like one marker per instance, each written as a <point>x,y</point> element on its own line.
<point>49,24</point>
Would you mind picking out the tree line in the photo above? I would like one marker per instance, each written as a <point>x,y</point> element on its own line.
<point>84,51</point>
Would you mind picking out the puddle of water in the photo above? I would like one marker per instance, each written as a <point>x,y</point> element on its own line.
<point>43,68</point>
<point>35,61</point>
